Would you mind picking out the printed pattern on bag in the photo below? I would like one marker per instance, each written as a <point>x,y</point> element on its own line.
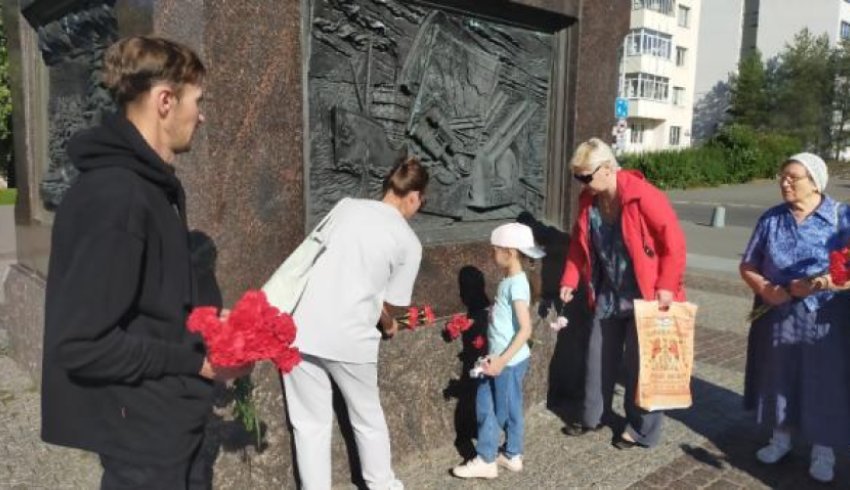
<point>666,350</point>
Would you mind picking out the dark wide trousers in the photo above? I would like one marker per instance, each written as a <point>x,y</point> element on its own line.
<point>613,341</point>
<point>191,474</point>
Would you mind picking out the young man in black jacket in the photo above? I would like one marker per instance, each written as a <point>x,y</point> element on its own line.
<point>122,376</point>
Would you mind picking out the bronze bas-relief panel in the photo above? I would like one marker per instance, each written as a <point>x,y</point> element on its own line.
<point>72,41</point>
<point>467,96</point>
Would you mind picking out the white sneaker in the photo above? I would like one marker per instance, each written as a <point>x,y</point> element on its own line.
<point>395,485</point>
<point>823,461</point>
<point>513,464</point>
<point>780,445</point>
<point>476,468</point>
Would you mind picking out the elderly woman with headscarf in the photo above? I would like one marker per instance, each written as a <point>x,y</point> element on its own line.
<point>626,244</point>
<point>796,357</point>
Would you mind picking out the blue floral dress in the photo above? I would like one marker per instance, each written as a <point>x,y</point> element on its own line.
<point>797,353</point>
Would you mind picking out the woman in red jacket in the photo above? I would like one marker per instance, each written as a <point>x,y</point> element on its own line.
<point>626,244</point>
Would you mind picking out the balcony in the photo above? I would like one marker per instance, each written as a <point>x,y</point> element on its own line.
<point>654,20</point>
<point>645,63</point>
<point>649,109</point>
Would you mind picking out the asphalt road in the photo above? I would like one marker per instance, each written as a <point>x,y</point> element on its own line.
<point>742,215</point>
<point>744,203</point>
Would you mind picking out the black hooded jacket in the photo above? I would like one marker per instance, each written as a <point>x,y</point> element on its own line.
<point>120,371</point>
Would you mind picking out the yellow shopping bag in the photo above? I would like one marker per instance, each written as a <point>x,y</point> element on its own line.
<point>666,349</point>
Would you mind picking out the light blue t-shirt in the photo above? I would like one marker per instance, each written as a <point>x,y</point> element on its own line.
<point>503,322</point>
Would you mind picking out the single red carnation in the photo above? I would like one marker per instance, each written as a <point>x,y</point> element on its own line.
<point>428,313</point>
<point>412,317</point>
<point>479,342</point>
<point>465,323</point>
<point>203,319</point>
<point>458,324</point>
<point>287,359</point>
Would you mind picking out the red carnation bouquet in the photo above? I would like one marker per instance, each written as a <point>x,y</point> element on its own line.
<point>417,316</point>
<point>838,271</point>
<point>253,331</point>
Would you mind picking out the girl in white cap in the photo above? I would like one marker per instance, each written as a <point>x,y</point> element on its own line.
<point>499,398</point>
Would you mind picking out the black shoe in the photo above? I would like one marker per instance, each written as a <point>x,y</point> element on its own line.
<point>575,429</point>
<point>623,444</point>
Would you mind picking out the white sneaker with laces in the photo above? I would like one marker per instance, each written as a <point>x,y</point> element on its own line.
<point>823,463</point>
<point>476,468</point>
<point>780,445</point>
<point>513,464</point>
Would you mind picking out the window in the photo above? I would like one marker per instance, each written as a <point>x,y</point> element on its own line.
<point>681,56</point>
<point>675,133</point>
<point>678,96</point>
<point>662,6</point>
<point>685,16</point>
<point>646,86</point>
<point>845,30</point>
<point>649,42</point>
<point>636,130</point>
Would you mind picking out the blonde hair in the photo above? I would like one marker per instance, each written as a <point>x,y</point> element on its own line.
<point>592,154</point>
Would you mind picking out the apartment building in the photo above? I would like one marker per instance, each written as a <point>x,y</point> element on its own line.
<point>658,73</point>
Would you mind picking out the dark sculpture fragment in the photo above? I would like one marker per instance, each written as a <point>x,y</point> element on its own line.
<point>467,96</point>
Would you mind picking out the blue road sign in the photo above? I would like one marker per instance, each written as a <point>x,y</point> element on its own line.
<point>621,108</point>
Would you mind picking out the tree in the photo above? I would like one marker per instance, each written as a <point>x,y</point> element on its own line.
<point>6,161</point>
<point>749,101</point>
<point>841,99</point>
<point>804,91</point>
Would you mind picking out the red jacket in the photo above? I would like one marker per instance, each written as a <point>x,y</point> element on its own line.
<point>651,233</point>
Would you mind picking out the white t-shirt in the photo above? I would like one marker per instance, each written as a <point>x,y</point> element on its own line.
<point>372,257</point>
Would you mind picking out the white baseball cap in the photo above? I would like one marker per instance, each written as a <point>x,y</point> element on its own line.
<point>518,236</point>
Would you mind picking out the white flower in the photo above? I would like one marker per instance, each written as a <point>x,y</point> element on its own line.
<point>559,323</point>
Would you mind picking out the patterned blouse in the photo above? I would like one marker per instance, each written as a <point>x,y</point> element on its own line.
<point>613,274</point>
<point>782,250</point>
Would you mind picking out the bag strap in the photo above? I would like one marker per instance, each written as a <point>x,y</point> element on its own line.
<point>315,234</point>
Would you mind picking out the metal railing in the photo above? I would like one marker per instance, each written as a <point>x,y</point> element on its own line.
<point>665,7</point>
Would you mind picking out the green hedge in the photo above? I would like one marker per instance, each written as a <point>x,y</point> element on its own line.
<point>734,155</point>
<point>8,196</point>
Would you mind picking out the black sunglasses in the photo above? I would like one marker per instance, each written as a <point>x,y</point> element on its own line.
<point>586,178</point>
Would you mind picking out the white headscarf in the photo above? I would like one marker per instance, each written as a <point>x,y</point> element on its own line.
<point>815,166</point>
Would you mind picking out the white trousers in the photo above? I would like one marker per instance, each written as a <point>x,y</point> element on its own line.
<point>309,401</point>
